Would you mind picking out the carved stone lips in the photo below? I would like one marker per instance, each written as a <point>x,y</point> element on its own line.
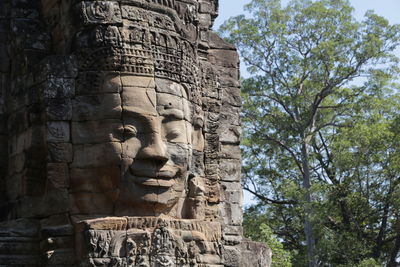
<point>153,182</point>
<point>162,178</point>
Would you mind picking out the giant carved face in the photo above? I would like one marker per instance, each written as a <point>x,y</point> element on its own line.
<point>157,144</point>
<point>134,125</point>
<point>136,154</point>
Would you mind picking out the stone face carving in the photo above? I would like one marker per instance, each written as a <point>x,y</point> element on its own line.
<point>119,136</point>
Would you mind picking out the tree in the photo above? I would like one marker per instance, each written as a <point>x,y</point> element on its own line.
<point>313,69</point>
<point>259,231</point>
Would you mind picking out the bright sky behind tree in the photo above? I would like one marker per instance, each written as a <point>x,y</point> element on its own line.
<point>385,8</point>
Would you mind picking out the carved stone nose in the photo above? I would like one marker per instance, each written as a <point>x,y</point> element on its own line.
<point>154,149</point>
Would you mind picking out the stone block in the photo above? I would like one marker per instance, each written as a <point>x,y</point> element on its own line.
<point>25,13</point>
<point>101,131</point>
<point>232,230</point>
<point>16,163</point>
<point>229,151</point>
<point>36,137</point>
<point>19,260</point>
<point>211,259</point>
<point>10,246</point>
<point>33,185</point>
<point>211,143</point>
<point>56,225</point>
<point>58,132</point>
<point>37,116</point>
<point>59,152</point>
<point>83,223</point>
<point>213,192</point>
<point>24,228</point>
<point>216,42</point>
<point>90,203</point>
<point>231,96</point>
<point>18,122</point>
<point>59,109</point>
<point>230,170</point>
<point>137,81</point>
<point>96,107</point>
<point>212,122</point>
<point>3,123</point>
<point>56,66</point>
<point>228,77</point>
<point>205,20</point>
<point>167,101</point>
<point>229,134</point>
<point>206,7</point>
<point>232,192</point>
<point>170,87</point>
<point>255,254</point>
<point>97,155</point>
<point>142,99</point>
<point>212,169</point>
<point>97,180</point>
<point>4,58</point>
<point>57,175</point>
<point>224,58</point>
<point>52,203</point>
<point>58,88</point>
<point>230,115</point>
<point>232,256</point>
<point>100,12</point>
<point>231,213</point>
<point>16,143</point>
<point>92,83</point>
<point>211,105</point>
<point>197,163</point>
<point>14,186</point>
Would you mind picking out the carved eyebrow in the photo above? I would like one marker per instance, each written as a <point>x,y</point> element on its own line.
<point>148,119</point>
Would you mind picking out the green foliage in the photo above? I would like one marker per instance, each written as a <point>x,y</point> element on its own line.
<point>321,128</point>
<point>369,263</point>
<point>263,233</point>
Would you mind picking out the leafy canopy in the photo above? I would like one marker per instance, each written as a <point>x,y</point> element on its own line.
<point>321,123</point>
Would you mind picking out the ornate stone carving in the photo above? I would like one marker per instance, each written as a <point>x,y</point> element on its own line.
<point>101,12</point>
<point>149,241</point>
<point>122,150</point>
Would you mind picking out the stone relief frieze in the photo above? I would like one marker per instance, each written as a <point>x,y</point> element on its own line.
<point>151,242</point>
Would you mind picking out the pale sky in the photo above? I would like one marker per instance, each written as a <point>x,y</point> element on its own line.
<point>389,9</point>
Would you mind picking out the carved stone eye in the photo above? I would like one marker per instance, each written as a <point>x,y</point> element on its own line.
<point>130,130</point>
<point>174,133</point>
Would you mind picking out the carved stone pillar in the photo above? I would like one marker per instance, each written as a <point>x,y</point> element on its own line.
<point>119,136</point>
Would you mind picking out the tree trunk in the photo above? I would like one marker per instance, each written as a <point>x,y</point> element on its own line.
<point>382,231</point>
<point>308,228</point>
<point>395,251</point>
